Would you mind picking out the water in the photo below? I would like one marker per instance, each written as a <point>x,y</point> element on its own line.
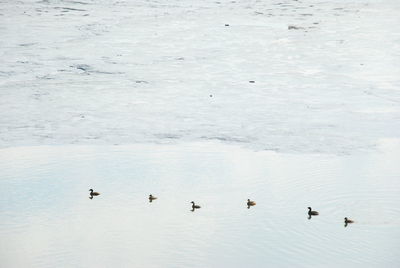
<point>47,219</point>
<point>92,91</point>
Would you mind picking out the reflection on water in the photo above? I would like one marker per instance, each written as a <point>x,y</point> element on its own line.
<point>48,221</point>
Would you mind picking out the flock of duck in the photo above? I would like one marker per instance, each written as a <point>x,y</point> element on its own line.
<point>249,204</point>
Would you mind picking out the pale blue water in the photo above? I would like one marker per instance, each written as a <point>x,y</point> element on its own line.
<point>47,219</point>
<point>112,72</point>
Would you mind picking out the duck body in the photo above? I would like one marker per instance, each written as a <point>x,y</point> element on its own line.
<point>93,193</point>
<point>250,203</point>
<point>194,205</point>
<point>347,221</point>
<point>312,212</point>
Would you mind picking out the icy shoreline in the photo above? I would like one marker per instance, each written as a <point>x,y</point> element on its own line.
<point>128,72</point>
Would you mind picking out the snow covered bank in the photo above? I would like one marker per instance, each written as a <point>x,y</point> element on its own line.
<point>121,72</point>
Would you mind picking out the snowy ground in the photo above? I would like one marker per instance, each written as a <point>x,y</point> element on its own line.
<point>122,72</point>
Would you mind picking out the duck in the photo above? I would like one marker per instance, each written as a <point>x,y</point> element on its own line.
<point>250,203</point>
<point>151,198</point>
<point>312,212</point>
<point>93,193</point>
<point>194,205</point>
<point>347,221</point>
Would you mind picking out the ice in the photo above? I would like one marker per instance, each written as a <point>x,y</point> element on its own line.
<point>326,73</point>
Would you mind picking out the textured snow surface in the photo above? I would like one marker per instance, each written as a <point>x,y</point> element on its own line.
<point>326,73</point>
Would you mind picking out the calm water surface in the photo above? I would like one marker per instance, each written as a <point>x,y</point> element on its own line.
<point>47,219</point>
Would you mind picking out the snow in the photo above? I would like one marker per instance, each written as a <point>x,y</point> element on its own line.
<point>326,73</point>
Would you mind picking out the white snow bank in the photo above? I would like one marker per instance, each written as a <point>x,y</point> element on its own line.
<point>120,72</point>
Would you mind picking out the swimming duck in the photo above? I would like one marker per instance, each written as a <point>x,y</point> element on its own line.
<point>93,193</point>
<point>347,221</point>
<point>194,205</point>
<point>311,212</point>
<point>250,203</point>
<point>151,198</point>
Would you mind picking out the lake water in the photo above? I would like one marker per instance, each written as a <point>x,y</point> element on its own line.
<point>139,97</point>
<point>47,219</point>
